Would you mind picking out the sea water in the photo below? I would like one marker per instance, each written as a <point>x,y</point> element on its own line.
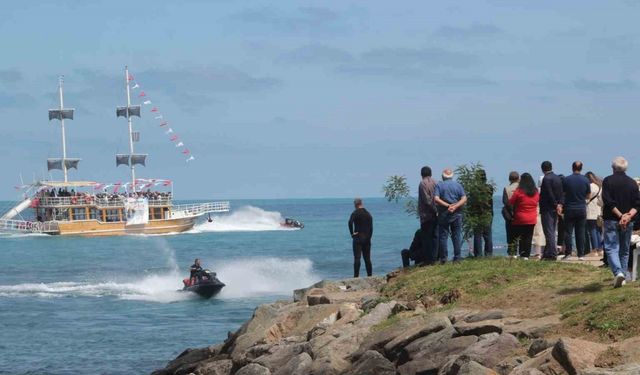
<point>71,305</point>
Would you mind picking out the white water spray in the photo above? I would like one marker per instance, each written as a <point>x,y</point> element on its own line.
<point>244,219</point>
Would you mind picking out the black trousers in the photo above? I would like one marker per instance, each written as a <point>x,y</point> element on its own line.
<point>577,221</point>
<point>522,237</point>
<point>429,238</point>
<point>511,246</point>
<point>406,257</point>
<point>361,249</point>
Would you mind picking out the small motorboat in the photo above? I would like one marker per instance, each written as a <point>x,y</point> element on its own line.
<point>291,223</point>
<point>207,286</point>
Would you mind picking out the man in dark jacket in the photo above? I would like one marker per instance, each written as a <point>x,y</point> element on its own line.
<point>621,201</point>
<point>577,190</point>
<point>551,200</point>
<point>361,229</point>
<point>196,271</point>
<point>428,217</point>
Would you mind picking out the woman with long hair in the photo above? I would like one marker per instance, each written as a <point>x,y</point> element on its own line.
<point>525,214</point>
<point>594,210</point>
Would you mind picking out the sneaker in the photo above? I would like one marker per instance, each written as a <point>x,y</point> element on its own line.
<point>525,258</point>
<point>619,280</point>
<point>566,257</point>
<point>581,258</point>
<point>624,282</point>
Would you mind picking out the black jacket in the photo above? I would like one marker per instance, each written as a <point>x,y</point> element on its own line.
<point>551,193</point>
<point>619,191</point>
<point>362,223</point>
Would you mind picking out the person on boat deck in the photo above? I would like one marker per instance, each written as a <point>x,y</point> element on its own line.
<point>196,271</point>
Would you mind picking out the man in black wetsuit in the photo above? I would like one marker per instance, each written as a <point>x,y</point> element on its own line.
<point>361,229</point>
<point>196,271</point>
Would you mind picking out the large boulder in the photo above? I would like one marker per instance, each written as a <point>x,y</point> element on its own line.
<point>434,323</point>
<point>272,323</point>
<point>437,347</point>
<point>297,365</point>
<point>464,365</point>
<point>253,369</point>
<point>628,369</point>
<point>533,328</point>
<point>479,328</point>
<point>380,313</point>
<point>187,360</point>
<point>218,367</point>
<point>372,363</point>
<point>542,363</point>
<point>576,355</point>
<point>423,366</point>
<point>486,315</point>
<point>377,339</point>
<point>279,355</point>
<point>492,348</point>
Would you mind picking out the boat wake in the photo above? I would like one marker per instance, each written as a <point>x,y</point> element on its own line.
<point>249,277</point>
<point>244,219</point>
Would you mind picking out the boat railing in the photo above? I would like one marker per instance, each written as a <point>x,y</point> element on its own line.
<point>82,200</point>
<point>198,209</point>
<point>25,226</point>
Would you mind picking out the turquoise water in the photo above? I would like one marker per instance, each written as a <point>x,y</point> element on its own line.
<point>72,305</point>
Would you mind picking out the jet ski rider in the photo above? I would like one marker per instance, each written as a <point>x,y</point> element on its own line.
<point>196,271</point>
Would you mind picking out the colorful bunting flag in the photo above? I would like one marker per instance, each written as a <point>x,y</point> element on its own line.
<point>191,158</point>
<point>154,109</point>
<point>173,138</point>
<point>169,131</point>
<point>142,94</point>
<point>146,102</point>
<point>179,144</point>
<point>186,151</point>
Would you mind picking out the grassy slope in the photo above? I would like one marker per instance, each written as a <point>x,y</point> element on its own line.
<point>583,294</point>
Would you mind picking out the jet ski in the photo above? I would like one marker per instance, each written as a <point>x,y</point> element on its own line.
<point>291,223</point>
<point>207,286</point>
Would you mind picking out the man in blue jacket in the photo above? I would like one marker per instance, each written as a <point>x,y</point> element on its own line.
<point>551,200</point>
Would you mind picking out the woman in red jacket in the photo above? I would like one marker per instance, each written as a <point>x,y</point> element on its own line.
<point>525,215</point>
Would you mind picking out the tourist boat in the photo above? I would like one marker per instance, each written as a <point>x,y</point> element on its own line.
<point>88,208</point>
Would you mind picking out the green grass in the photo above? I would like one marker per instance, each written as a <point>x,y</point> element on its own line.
<point>581,293</point>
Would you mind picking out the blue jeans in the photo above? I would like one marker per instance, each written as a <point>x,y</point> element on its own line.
<point>450,225</point>
<point>617,242</point>
<point>595,235</point>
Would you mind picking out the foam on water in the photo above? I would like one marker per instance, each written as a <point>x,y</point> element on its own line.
<point>244,219</point>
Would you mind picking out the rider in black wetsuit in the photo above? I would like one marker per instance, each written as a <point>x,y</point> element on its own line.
<point>361,229</point>
<point>196,271</point>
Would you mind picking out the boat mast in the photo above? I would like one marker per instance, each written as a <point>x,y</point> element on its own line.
<point>129,120</point>
<point>61,114</point>
<point>64,138</point>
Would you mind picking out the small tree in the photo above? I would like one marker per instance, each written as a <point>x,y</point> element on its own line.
<point>478,211</point>
<point>397,189</point>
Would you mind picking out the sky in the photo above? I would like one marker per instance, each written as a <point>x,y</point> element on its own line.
<point>306,99</point>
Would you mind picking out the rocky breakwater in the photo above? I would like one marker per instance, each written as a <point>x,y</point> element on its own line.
<point>349,327</point>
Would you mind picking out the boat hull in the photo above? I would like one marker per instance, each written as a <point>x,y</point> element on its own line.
<point>95,228</point>
<point>205,290</point>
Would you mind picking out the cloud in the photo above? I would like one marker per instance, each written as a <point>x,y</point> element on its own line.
<point>619,49</point>
<point>15,100</point>
<point>309,20</point>
<point>189,87</point>
<point>477,30</point>
<point>209,79</point>
<point>412,57</point>
<point>604,86</point>
<point>10,76</point>
<point>317,54</point>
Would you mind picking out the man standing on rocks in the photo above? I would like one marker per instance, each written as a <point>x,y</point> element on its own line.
<point>428,217</point>
<point>361,229</point>
<point>450,197</point>
<point>551,199</point>
<point>621,200</point>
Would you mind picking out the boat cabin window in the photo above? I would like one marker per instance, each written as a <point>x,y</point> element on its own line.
<point>79,214</point>
<point>112,216</point>
<point>94,214</point>
<point>157,213</point>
